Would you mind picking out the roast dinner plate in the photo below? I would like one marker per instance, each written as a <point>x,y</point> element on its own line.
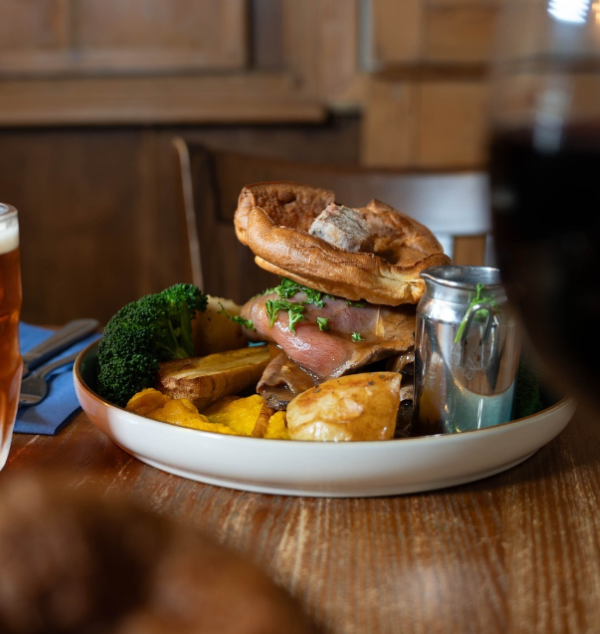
<point>319,469</point>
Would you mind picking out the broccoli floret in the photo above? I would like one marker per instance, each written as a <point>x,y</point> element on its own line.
<point>155,328</point>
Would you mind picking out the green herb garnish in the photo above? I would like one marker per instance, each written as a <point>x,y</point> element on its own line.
<point>323,324</point>
<point>481,314</point>
<point>238,319</point>
<point>295,311</point>
<point>288,288</point>
<point>357,337</point>
<point>294,317</point>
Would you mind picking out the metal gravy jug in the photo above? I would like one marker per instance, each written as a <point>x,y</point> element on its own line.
<point>467,348</point>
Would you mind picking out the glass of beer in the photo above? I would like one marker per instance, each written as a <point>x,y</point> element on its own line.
<point>11,365</point>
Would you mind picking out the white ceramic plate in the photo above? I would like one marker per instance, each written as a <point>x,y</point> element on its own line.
<point>355,469</point>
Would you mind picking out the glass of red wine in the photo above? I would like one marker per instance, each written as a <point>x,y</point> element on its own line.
<point>544,171</point>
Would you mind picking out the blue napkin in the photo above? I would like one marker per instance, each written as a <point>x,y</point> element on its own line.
<point>61,404</point>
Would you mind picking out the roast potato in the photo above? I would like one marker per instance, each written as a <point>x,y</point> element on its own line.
<point>213,331</point>
<point>203,380</point>
<point>352,407</point>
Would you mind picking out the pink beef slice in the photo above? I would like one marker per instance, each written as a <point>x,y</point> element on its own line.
<point>384,330</point>
<point>344,228</point>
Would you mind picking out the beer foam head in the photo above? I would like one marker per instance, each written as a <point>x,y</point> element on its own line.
<point>9,229</point>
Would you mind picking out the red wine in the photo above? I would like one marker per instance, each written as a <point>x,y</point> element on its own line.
<point>546,222</point>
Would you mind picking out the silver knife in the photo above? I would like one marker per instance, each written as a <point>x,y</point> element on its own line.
<point>57,342</point>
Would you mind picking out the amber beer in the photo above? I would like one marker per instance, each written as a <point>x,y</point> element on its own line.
<point>10,310</point>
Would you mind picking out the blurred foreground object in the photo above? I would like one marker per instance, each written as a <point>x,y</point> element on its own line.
<point>544,161</point>
<point>76,562</point>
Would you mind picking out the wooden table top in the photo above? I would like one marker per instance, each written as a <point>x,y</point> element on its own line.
<point>516,552</point>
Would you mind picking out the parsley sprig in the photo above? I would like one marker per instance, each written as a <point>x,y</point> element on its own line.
<point>238,319</point>
<point>295,311</point>
<point>288,289</point>
<point>481,314</point>
<point>323,324</point>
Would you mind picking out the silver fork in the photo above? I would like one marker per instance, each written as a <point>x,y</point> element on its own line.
<point>34,388</point>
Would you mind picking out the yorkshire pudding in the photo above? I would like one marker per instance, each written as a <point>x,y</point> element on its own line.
<point>274,218</point>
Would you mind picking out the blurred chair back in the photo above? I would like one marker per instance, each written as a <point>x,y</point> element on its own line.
<point>452,204</point>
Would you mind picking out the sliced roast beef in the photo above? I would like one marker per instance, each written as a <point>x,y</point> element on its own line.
<point>333,339</point>
<point>281,380</point>
<point>398,362</point>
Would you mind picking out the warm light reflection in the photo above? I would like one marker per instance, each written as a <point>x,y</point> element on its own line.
<point>574,11</point>
<point>596,10</point>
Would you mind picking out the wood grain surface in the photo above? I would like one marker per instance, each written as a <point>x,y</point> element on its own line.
<point>516,552</point>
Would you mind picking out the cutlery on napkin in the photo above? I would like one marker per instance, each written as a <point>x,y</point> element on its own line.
<point>58,341</point>
<point>34,387</point>
<point>61,404</point>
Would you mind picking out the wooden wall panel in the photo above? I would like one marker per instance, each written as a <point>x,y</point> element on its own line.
<point>321,49</point>
<point>110,36</point>
<point>29,26</point>
<point>397,31</point>
<point>451,124</point>
<point>78,195</point>
<point>340,82</point>
<point>389,132</point>
<point>496,4</point>
<point>112,62</point>
<point>458,34</point>
<point>157,35</point>
<point>169,99</point>
<point>267,41</point>
<point>427,99</point>
<point>428,124</point>
<point>416,31</point>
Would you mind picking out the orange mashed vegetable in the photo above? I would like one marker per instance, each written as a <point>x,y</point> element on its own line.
<point>231,415</point>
